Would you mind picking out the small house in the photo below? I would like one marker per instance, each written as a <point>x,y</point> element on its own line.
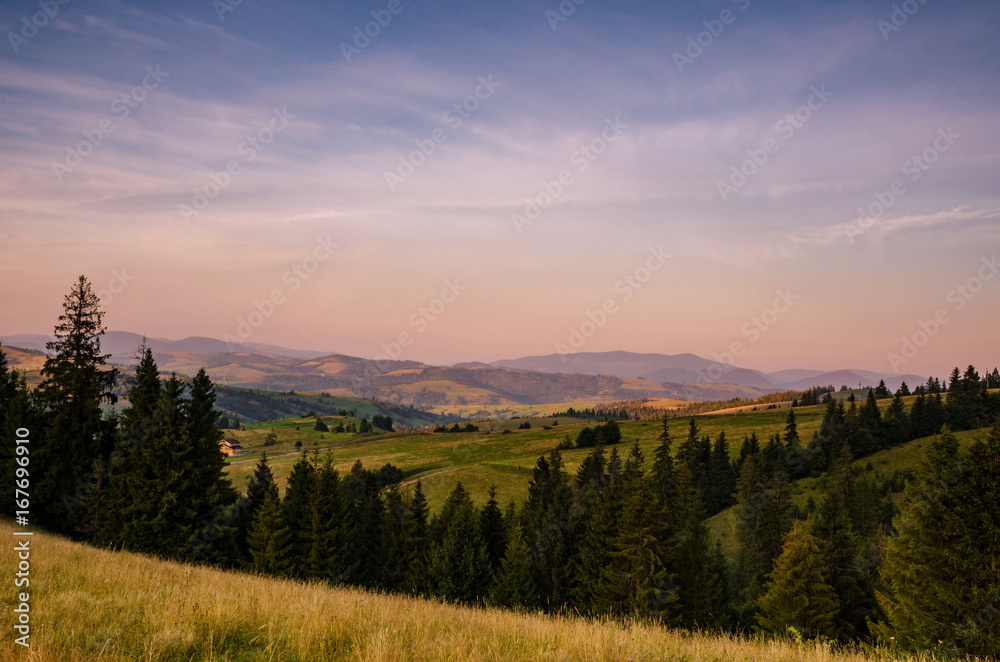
<point>230,447</point>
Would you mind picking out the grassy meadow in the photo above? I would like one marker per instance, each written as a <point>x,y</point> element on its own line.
<point>91,604</point>
<point>484,458</point>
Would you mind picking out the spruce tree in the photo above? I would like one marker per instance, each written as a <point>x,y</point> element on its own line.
<point>663,477</point>
<point>701,592</point>
<point>326,537</point>
<point>636,582</point>
<point>75,381</point>
<point>798,595</point>
<point>761,522</point>
<point>791,429</point>
<point>393,534</point>
<point>459,562</point>
<point>942,585</point>
<point>513,586</point>
<point>722,477</point>
<point>367,515</point>
<point>260,482</point>
<point>553,528</point>
<point>269,539</point>
<point>297,512</point>
<point>491,526</point>
<point>599,522</point>
<point>840,548</point>
<point>212,494</point>
<point>416,543</point>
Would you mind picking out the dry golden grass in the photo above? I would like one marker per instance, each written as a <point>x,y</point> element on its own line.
<point>89,604</point>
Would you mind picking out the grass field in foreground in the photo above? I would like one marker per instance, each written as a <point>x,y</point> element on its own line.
<point>91,604</point>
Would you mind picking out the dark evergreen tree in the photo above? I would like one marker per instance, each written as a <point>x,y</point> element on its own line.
<point>798,594</point>
<point>602,500</point>
<point>761,522</point>
<point>791,429</point>
<point>750,446</point>
<point>416,543</point>
<point>552,529</point>
<point>492,530</point>
<point>840,547</point>
<point>297,513</point>
<point>324,551</point>
<point>75,381</point>
<point>513,586</point>
<point>690,451</point>
<point>367,515</point>
<point>211,492</point>
<point>394,536</point>
<point>701,591</point>
<point>636,582</point>
<point>269,538</point>
<point>721,477</point>
<point>940,570</point>
<point>897,424</point>
<point>459,566</point>
<point>881,391</point>
<point>260,482</point>
<point>663,478</point>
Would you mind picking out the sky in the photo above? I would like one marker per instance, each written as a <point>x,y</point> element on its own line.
<point>776,185</point>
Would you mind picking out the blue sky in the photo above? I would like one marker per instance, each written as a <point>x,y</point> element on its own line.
<point>927,89</point>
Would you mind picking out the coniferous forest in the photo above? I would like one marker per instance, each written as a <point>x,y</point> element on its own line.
<point>909,559</point>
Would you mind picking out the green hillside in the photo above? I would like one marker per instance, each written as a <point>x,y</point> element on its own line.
<point>488,457</point>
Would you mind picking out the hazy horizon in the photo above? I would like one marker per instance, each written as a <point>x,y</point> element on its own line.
<point>211,165</point>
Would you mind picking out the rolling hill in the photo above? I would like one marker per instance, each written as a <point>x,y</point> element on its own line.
<point>472,389</point>
<point>689,368</point>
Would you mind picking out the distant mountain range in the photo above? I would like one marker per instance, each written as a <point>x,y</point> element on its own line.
<point>551,379</point>
<point>689,368</point>
<point>122,345</point>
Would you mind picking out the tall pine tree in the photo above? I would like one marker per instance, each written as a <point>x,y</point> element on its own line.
<point>75,381</point>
